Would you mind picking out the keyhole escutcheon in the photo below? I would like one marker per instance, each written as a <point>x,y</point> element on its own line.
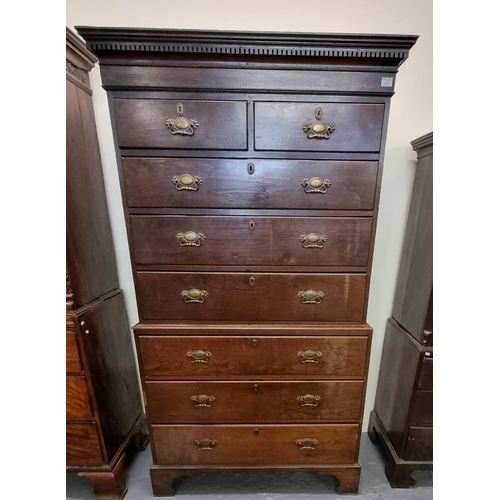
<point>251,281</point>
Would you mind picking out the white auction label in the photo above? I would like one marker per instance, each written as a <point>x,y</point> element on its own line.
<point>386,81</point>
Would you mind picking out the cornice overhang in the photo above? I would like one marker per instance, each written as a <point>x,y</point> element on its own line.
<point>422,142</point>
<point>240,43</point>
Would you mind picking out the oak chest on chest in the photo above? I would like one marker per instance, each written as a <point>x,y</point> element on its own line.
<point>250,166</point>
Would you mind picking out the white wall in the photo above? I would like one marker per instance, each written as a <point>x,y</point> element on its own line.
<point>410,117</point>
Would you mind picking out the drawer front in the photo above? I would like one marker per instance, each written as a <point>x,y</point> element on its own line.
<point>273,241</point>
<point>254,401</point>
<point>255,444</point>
<point>82,445</point>
<point>179,358</point>
<point>274,184</point>
<point>426,375</point>
<point>150,123</point>
<point>73,361</point>
<point>251,296</point>
<point>77,399</point>
<point>419,445</point>
<point>422,409</point>
<point>290,126</point>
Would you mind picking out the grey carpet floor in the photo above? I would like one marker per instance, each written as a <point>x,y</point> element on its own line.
<point>264,486</point>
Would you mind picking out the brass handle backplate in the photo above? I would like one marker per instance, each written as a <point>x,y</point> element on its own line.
<point>306,443</point>
<point>316,185</point>
<point>318,129</point>
<point>308,400</point>
<point>194,295</point>
<point>187,182</point>
<point>181,125</point>
<point>311,296</point>
<point>199,356</point>
<point>206,444</point>
<point>313,240</point>
<point>202,400</point>
<point>309,356</point>
<point>190,239</point>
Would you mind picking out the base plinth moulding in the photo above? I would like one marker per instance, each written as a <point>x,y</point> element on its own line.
<point>398,472</point>
<point>165,479</point>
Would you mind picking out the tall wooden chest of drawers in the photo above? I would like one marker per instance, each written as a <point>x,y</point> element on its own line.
<point>250,166</point>
<point>104,412</point>
<point>402,418</point>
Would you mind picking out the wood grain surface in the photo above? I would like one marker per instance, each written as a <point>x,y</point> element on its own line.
<point>242,357</point>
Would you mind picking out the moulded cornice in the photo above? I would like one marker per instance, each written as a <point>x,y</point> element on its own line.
<point>284,44</point>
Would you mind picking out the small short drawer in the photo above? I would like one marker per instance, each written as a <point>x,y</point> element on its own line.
<point>254,241</point>
<point>73,361</point>
<point>253,183</point>
<point>251,296</point>
<point>183,124</point>
<point>421,415</point>
<point>255,444</point>
<point>419,445</point>
<point>82,445</point>
<point>77,399</point>
<point>320,126</point>
<point>426,375</point>
<point>254,401</point>
<point>212,358</point>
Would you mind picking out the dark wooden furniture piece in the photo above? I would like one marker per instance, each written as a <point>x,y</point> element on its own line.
<point>402,418</point>
<point>250,166</point>
<point>103,403</point>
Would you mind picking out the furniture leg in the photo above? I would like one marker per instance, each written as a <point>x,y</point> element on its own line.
<point>109,485</point>
<point>141,437</point>
<point>348,479</point>
<point>399,475</point>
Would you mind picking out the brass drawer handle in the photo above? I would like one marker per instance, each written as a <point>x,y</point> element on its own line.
<point>206,444</point>
<point>181,125</point>
<point>190,239</point>
<point>306,443</point>
<point>199,356</point>
<point>313,240</point>
<point>187,182</point>
<point>316,185</point>
<point>309,356</point>
<point>318,129</point>
<point>202,400</point>
<point>194,295</point>
<point>308,400</point>
<point>311,296</point>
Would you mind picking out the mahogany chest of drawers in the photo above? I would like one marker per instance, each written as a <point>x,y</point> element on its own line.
<point>250,166</point>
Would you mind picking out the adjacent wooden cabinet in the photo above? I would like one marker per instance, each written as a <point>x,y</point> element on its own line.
<point>402,418</point>
<point>250,166</point>
<point>103,403</point>
<point>412,307</point>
